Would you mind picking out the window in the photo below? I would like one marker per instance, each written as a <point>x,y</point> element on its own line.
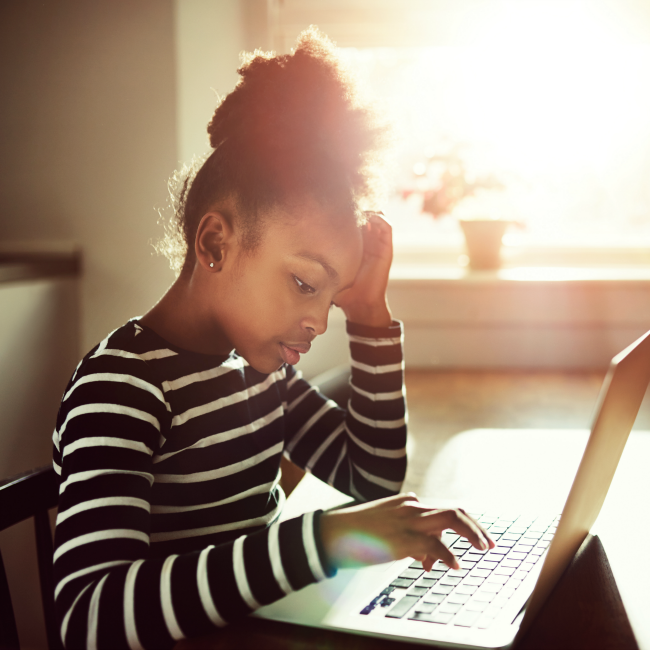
<point>553,98</point>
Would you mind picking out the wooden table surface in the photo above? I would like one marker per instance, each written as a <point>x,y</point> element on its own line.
<point>495,438</point>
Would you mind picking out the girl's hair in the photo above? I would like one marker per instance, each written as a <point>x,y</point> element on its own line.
<point>293,126</point>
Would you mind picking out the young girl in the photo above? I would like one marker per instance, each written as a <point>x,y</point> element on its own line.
<point>170,433</point>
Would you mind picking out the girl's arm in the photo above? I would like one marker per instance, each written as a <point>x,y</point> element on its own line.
<point>110,591</point>
<point>361,452</point>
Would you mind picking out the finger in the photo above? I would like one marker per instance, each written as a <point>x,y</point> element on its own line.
<point>437,550</point>
<point>482,528</point>
<point>438,520</point>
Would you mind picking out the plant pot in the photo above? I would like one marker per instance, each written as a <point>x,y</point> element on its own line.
<point>483,241</point>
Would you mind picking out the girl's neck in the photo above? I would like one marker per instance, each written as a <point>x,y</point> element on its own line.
<point>177,317</point>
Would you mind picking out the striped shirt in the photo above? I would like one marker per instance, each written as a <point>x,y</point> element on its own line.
<point>169,500</point>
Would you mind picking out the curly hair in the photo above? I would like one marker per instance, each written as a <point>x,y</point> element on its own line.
<point>294,125</point>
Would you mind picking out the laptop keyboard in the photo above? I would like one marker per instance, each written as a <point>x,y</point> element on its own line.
<point>473,595</point>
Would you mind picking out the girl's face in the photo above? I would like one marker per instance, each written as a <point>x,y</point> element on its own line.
<point>272,302</point>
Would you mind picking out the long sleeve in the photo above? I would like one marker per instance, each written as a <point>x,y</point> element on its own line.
<point>361,451</point>
<point>110,590</point>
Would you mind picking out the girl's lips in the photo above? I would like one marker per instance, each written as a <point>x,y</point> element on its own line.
<point>291,355</point>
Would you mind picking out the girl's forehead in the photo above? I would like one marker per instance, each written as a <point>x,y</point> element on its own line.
<point>315,234</point>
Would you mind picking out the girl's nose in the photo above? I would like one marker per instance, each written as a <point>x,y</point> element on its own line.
<point>316,322</point>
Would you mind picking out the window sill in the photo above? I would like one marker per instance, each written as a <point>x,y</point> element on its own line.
<point>524,264</point>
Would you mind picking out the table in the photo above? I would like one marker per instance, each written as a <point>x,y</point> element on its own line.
<point>480,433</point>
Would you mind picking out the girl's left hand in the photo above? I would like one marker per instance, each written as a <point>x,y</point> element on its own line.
<point>365,301</point>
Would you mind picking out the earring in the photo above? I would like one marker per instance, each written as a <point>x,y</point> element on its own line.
<point>211,265</point>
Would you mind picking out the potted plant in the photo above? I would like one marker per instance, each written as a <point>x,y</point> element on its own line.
<point>445,183</point>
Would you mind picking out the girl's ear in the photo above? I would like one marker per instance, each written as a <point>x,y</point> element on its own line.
<point>214,240</point>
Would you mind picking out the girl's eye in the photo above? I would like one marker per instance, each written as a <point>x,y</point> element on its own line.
<point>303,286</point>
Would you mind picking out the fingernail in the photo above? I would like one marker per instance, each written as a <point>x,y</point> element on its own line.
<point>483,544</point>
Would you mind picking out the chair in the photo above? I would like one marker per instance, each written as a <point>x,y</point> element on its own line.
<point>30,495</point>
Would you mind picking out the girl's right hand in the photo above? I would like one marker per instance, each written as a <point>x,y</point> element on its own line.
<point>394,528</point>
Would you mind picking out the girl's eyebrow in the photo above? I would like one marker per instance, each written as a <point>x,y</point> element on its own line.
<point>331,272</point>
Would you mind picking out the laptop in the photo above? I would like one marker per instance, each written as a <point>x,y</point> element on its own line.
<point>492,599</point>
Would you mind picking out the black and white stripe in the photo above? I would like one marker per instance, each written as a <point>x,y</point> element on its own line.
<point>169,499</point>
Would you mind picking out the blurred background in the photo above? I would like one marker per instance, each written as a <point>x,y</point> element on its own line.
<point>534,114</point>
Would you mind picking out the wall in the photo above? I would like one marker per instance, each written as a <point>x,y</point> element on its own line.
<point>88,140</point>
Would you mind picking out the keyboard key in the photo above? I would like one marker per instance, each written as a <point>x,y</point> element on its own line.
<point>455,597</point>
<point>402,583</point>
<point>514,555</point>
<point>457,573</point>
<point>411,574</point>
<point>441,589</point>
<point>465,589</point>
<point>531,535</point>
<point>439,565</point>
<point>425,608</point>
<point>416,564</point>
<point>522,548</point>
<point>418,591</point>
<point>480,573</point>
<point>547,538</point>
<point>497,554</point>
<point>437,617</point>
<point>466,618</point>
<point>426,582</point>
<point>542,544</point>
<point>509,537</point>
<point>435,599</point>
<point>513,564</point>
<point>402,607</point>
<point>441,618</point>
<point>491,588</point>
<point>387,591</point>
<point>497,580</point>
<point>463,543</point>
<point>484,596</point>
<point>420,616</point>
<point>449,608</point>
<point>448,537</point>
<point>434,574</point>
<point>484,622</point>
<point>449,580</point>
<point>465,564</point>
<point>506,543</point>
<point>504,571</point>
<point>476,605</point>
<point>507,591</point>
<point>487,564</point>
<point>473,581</point>
<point>366,610</point>
<point>387,601</point>
<point>497,530</point>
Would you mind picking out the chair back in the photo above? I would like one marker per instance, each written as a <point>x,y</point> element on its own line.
<point>30,495</point>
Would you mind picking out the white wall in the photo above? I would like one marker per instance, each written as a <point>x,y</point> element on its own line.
<point>209,37</point>
<point>89,139</point>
